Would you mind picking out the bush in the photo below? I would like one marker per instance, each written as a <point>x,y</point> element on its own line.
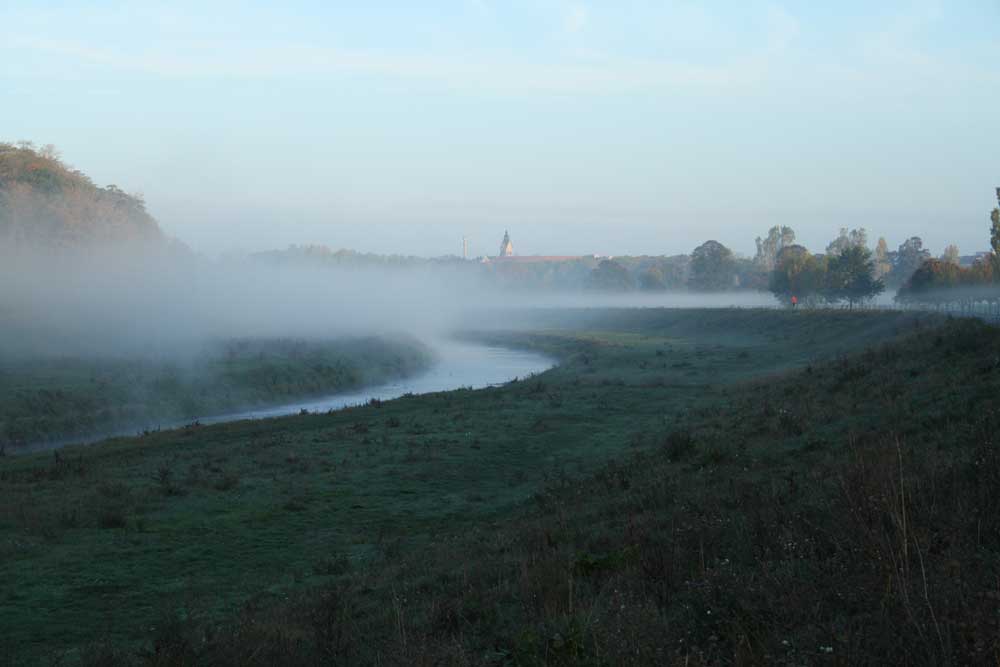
<point>679,445</point>
<point>226,482</point>
<point>112,517</point>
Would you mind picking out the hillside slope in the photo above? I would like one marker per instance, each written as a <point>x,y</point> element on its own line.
<point>843,513</point>
<point>672,492</point>
<point>43,202</point>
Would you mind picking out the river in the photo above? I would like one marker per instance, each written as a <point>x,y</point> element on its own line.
<point>458,364</point>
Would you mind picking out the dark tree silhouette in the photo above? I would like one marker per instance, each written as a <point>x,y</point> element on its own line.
<point>797,273</point>
<point>908,258</point>
<point>995,236</point>
<point>610,275</point>
<point>850,276</point>
<point>713,267</point>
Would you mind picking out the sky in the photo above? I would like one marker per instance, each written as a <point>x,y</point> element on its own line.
<point>626,127</point>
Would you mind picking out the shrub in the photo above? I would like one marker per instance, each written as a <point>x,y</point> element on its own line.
<point>112,517</point>
<point>679,445</point>
<point>226,482</point>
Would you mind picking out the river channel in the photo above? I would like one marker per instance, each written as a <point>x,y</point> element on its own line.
<point>459,364</point>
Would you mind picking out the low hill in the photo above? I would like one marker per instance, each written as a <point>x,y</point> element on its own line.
<point>44,202</point>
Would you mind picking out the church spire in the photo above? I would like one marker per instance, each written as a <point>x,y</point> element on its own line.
<point>506,247</point>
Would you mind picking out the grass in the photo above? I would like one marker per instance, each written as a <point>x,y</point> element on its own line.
<point>691,487</point>
<point>46,399</point>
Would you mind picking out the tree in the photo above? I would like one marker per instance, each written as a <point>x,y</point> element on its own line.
<point>713,267</point>
<point>931,281</point>
<point>982,272</point>
<point>674,270</point>
<point>796,273</point>
<point>995,236</point>
<point>883,262</point>
<point>855,237</point>
<point>909,257</point>
<point>950,254</point>
<point>849,276</point>
<point>610,275</point>
<point>749,275</point>
<point>50,152</point>
<point>944,280</point>
<point>768,249</point>
<point>44,203</point>
<point>652,279</point>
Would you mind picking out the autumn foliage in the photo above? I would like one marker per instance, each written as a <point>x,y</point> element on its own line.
<point>44,202</point>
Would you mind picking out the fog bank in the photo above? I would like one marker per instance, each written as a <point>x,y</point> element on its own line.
<point>131,300</point>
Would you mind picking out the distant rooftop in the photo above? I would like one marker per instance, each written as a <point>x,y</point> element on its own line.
<point>526,259</point>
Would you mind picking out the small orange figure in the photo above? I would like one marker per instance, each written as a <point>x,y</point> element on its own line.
<point>795,301</point>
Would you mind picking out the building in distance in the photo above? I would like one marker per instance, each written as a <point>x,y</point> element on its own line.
<point>507,255</point>
<point>506,247</point>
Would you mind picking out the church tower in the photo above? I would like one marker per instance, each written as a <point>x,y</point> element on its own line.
<point>506,247</point>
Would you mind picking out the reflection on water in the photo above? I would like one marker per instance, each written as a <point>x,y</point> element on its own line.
<point>458,365</point>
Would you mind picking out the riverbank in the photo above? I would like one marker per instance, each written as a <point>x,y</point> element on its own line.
<point>53,400</point>
<point>657,474</point>
<point>456,365</point>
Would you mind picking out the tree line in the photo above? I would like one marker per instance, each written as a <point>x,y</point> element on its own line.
<point>942,281</point>
<point>43,201</point>
<point>847,272</point>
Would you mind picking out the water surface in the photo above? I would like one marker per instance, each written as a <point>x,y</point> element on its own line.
<point>458,364</point>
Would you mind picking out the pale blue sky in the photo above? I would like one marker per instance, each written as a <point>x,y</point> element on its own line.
<point>607,127</point>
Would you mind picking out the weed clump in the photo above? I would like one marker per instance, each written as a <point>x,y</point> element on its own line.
<point>679,445</point>
<point>164,479</point>
<point>332,566</point>
<point>226,481</point>
<point>112,516</point>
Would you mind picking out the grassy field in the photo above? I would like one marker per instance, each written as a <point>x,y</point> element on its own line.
<point>45,399</point>
<point>686,486</point>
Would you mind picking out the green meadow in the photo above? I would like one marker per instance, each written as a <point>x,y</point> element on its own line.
<point>685,487</point>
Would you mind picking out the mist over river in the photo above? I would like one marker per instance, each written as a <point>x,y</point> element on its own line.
<point>458,364</point>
